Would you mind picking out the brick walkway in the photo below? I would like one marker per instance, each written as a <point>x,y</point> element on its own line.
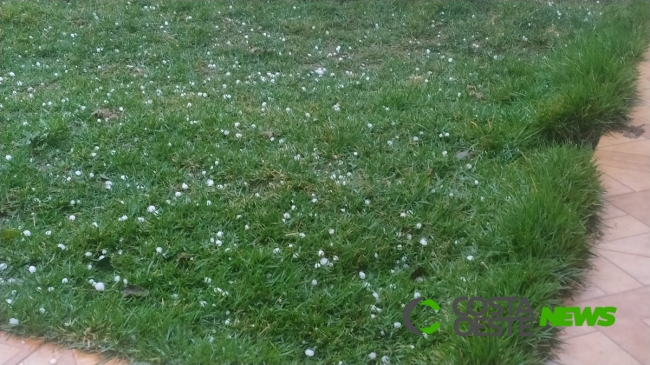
<point>622,269</point>
<point>621,277</point>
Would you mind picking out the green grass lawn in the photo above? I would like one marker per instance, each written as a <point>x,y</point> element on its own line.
<point>267,178</point>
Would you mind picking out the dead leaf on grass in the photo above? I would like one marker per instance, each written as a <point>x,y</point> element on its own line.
<point>135,291</point>
<point>269,134</point>
<point>464,154</point>
<point>473,92</point>
<point>106,114</point>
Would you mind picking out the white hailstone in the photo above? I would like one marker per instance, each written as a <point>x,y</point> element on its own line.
<point>362,275</point>
<point>475,182</point>
<point>375,295</point>
<point>321,253</point>
<point>64,280</point>
<point>48,233</point>
<point>423,241</point>
<point>385,359</point>
<point>308,352</point>
<point>219,234</point>
<point>151,209</point>
<point>99,286</point>
<point>117,278</point>
<point>140,219</point>
<point>336,107</point>
<point>301,235</point>
<point>89,267</point>
<point>276,250</point>
<point>3,266</point>
<point>210,182</point>
<point>13,321</point>
<point>42,310</point>
<point>314,282</point>
<point>88,254</point>
<point>32,269</point>
<point>444,153</point>
<point>331,231</point>
<point>78,173</point>
<point>72,217</point>
<point>324,261</point>
<point>286,216</point>
<point>27,233</point>
<point>470,257</point>
<point>53,361</point>
<point>178,194</point>
<point>208,203</point>
<point>123,218</point>
<point>418,226</point>
<point>397,325</point>
<point>416,295</point>
<point>8,157</point>
<point>184,186</point>
<point>126,282</point>
<point>9,301</point>
<point>372,356</point>
<point>159,249</point>
<point>469,166</point>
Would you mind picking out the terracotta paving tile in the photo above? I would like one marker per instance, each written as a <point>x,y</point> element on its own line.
<point>614,139</point>
<point>610,211</point>
<point>7,352</point>
<point>590,292</point>
<point>25,347</point>
<point>84,358</point>
<point>635,180</point>
<point>609,278</point>
<point>635,204</point>
<point>48,352</point>
<point>632,335</point>
<point>638,147</point>
<point>639,115</point>
<point>637,267</point>
<point>622,164</point>
<point>613,187</point>
<point>635,245</point>
<point>631,304</point>
<point>621,227</point>
<point>593,349</point>
<point>647,321</point>
<point>568,332</point>
<point>622,156</point>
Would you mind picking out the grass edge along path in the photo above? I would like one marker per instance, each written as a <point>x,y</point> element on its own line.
<point>547,229</point>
